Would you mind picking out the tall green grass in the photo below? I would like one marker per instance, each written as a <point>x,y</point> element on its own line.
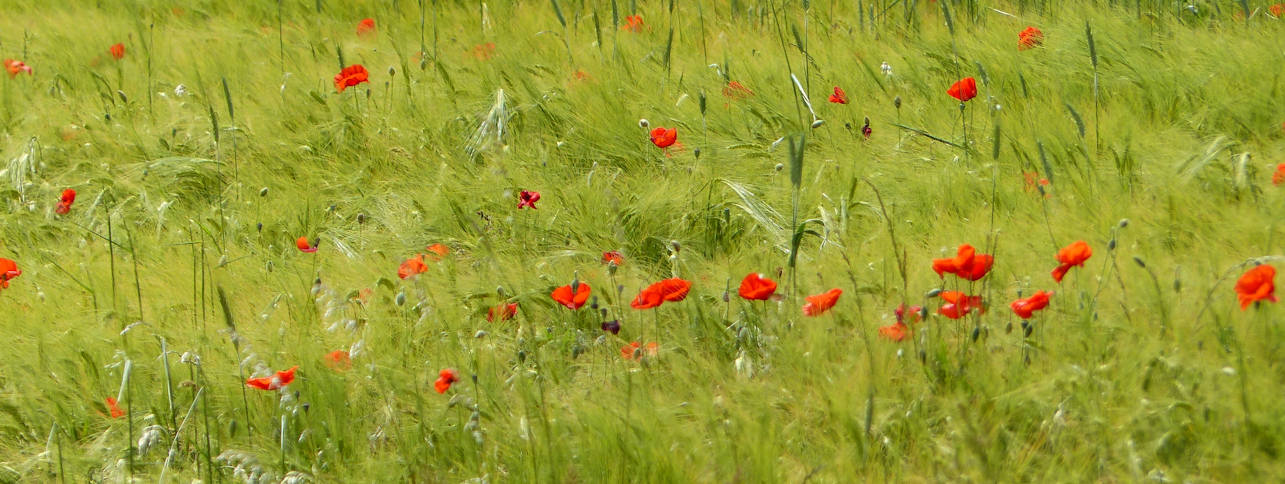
<point>220,138</point>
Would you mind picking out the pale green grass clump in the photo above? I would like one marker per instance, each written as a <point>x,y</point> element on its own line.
<point>162,289</point>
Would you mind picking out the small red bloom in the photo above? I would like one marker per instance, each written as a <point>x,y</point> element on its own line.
<point>444,380</point>
<point>351,76</point>
<point>366,27</point>
<point>958,304</point>
<point>1255,285</point>
<point>901,312</point>
<point>437,251</point>
<point>528,199</point>
<point>757,287</point>
<point>280,379</point>
<point>412,266</point>
<point>306,245</point>
<point>8,271</point>
<point>484,51</point>
<point>664,138</point>
<point>570,298</point>
<point>896,331</point>
<point>1024,307</point>
<point>820,303</point>
<point>634,350</point>
<point>966,264</point>
<point>1029,38</point>
<point>1071,256</point>
<point>338,360</point>
<point>117,51</point>
<point>113,409</point>
<point>963,90</point>
<point>865,129</point>
<point>839,97</point>
<point>633,23</point>
<point>504,312</point>
<point>1279,176</point>
<point>1277,11</point>
<point>736,91</point>
<point>64,203</point>
<point>16,67</point>
<point>613,257</point>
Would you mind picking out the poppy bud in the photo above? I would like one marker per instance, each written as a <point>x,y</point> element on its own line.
<point>593,304</point>
<point>1027,328</point>
<point>1111,245</point>
<point>361,218</point>
<point>400,299</point>
<point>697,152</point>
<point>780,166</point>
<point>423,64</point>
<point>1124,222</point>
<point>1139,261</point>
<point>603,311</point>
<point>259,226</point>
<point>391,71</point>
<point>270,266</point>
<point>620,289</point>
<point>977,331</point>
<point>677,247</point>
<point>896,102</point>
<point>306,407</point>
<point>933,293</point>
<point>481,333</point>
<point>726,298</point>
<point>701,96</point>
<point>263,192</point>
<point>817,124</point>
<point>521,356</point>
<point>1009,328</point>
<point>642,123</point>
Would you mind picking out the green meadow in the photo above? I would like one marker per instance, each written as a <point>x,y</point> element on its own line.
<point>144,326</point>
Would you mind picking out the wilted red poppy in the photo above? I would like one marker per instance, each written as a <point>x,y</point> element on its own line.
<point>306,245</point>
<point>958,304</point>
<point>64,203</point>
<point>839,97</point>
<point>1254,285</point>
<point>528,199</point>
<point>118,51</point>
<point>1029,38</point>
<point>437,251</point>
<point>613,257</point>
<point>1071,256</point>
<point>963,90</point>
<point>1279,176</point>
<point>572,299</point>
<point>503,311</point>
<point>865,129</point>
<point>114,409</point>
<point>16,67</point>
<point>280,379</point>
<point>8,271</point>
<point>633,23</point>
<point>896,331</point>
<point>757,287</point>
<point>966,264</point>
<point>412,266</point>
<point>664,138</point>
<point>634,350</point>
<point>444,380</point>
<point>820,303</point>
<point>735,90</point>
<point>338,360</point>
<point>1024,307</point>
<point>366,27</point>
<point>351,76</point>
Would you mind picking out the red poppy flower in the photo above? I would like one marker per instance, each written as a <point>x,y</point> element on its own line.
<point>437,251</point>
<point>966,264</point>
<point>338,360</point>
<point>1071,256</point>
<point>839,97</point>
<point>1024,307</point>
<point>1029,38</point>
<point>634,350</point>
<point>865,129</point>
<point>8,271</point>
<point>1035,183</point>
<point>572,299</point>
<point>820,303</point>
<point>613,257</point>
<point>737,91</point>
<point>757,287</point>
<point>664,138</point>
<point>958,304</point>
<point>366,27</point>
<point>117,51</point>
<point>902,311</point>
<point>1277,10</point>
<point>896,331</point>
<point>114,409</point>
<point>633,23</point>
<point>16,67</point>
<point>444,380</point>
<point>412,266</point>
<point>504,312</point>
<point>963,90</point>
<point>1255,285</point>
<point>674,289</point>
<point>280,379</point>
<point>1279,176</point>
<point>64,203</point>
<point>528,199</point>
<point>351,76</point>
<point>648,298</point>
<point>306,245</point>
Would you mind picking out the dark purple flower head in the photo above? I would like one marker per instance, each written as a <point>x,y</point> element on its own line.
<point>612,326</point>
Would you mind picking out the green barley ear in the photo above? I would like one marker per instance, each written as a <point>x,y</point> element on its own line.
<point>557,10</point>
<point>796,160</point>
